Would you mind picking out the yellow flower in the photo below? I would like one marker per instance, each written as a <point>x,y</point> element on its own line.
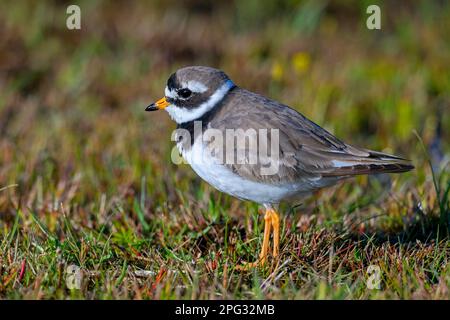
<point>301,61</point>
<point>277,71</point>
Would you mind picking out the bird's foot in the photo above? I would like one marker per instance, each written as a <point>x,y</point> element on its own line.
<point>245,266</point>
<point>272,222</point>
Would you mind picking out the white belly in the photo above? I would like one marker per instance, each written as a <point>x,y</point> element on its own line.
<point>223,179</point>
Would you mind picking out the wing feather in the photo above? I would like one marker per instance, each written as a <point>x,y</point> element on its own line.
<point>306,151</point>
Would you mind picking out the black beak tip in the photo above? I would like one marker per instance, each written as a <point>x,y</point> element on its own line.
<point>151,107</point>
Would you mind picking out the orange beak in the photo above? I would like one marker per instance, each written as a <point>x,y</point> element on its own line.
<point>158,105</point>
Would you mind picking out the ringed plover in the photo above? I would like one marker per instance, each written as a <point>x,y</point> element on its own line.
<point>308,156</point>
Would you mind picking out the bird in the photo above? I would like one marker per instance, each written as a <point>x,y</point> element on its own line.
<point>205,101</point>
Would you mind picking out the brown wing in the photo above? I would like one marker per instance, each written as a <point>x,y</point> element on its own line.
<point>306,151</point>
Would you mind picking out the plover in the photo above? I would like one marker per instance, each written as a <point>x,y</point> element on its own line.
<point>308,156</point>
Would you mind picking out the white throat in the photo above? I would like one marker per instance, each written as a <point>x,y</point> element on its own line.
<point>181,115</point>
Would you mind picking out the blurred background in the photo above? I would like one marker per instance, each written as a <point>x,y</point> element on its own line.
<point>69,95</point>
<point>74,136</point>
<point>71,101</point>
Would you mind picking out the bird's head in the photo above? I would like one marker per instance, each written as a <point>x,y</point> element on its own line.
<point>193,91</point>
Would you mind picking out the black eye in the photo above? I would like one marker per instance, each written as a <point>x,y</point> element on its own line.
<point>184,93</point>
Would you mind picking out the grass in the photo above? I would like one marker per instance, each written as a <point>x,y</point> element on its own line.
<point>86,177</point>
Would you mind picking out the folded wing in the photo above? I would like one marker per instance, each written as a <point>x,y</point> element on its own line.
<point>306,151</point>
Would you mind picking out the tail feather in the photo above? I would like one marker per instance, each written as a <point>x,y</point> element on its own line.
<point>375,162</point>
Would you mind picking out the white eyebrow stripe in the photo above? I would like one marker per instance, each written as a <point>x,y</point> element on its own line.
<point>195,86</point>
<point>169,93</point>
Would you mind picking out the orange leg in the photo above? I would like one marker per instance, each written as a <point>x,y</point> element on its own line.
<point>265,246</point>
<point>276,233</point>
<point>271,220</point>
